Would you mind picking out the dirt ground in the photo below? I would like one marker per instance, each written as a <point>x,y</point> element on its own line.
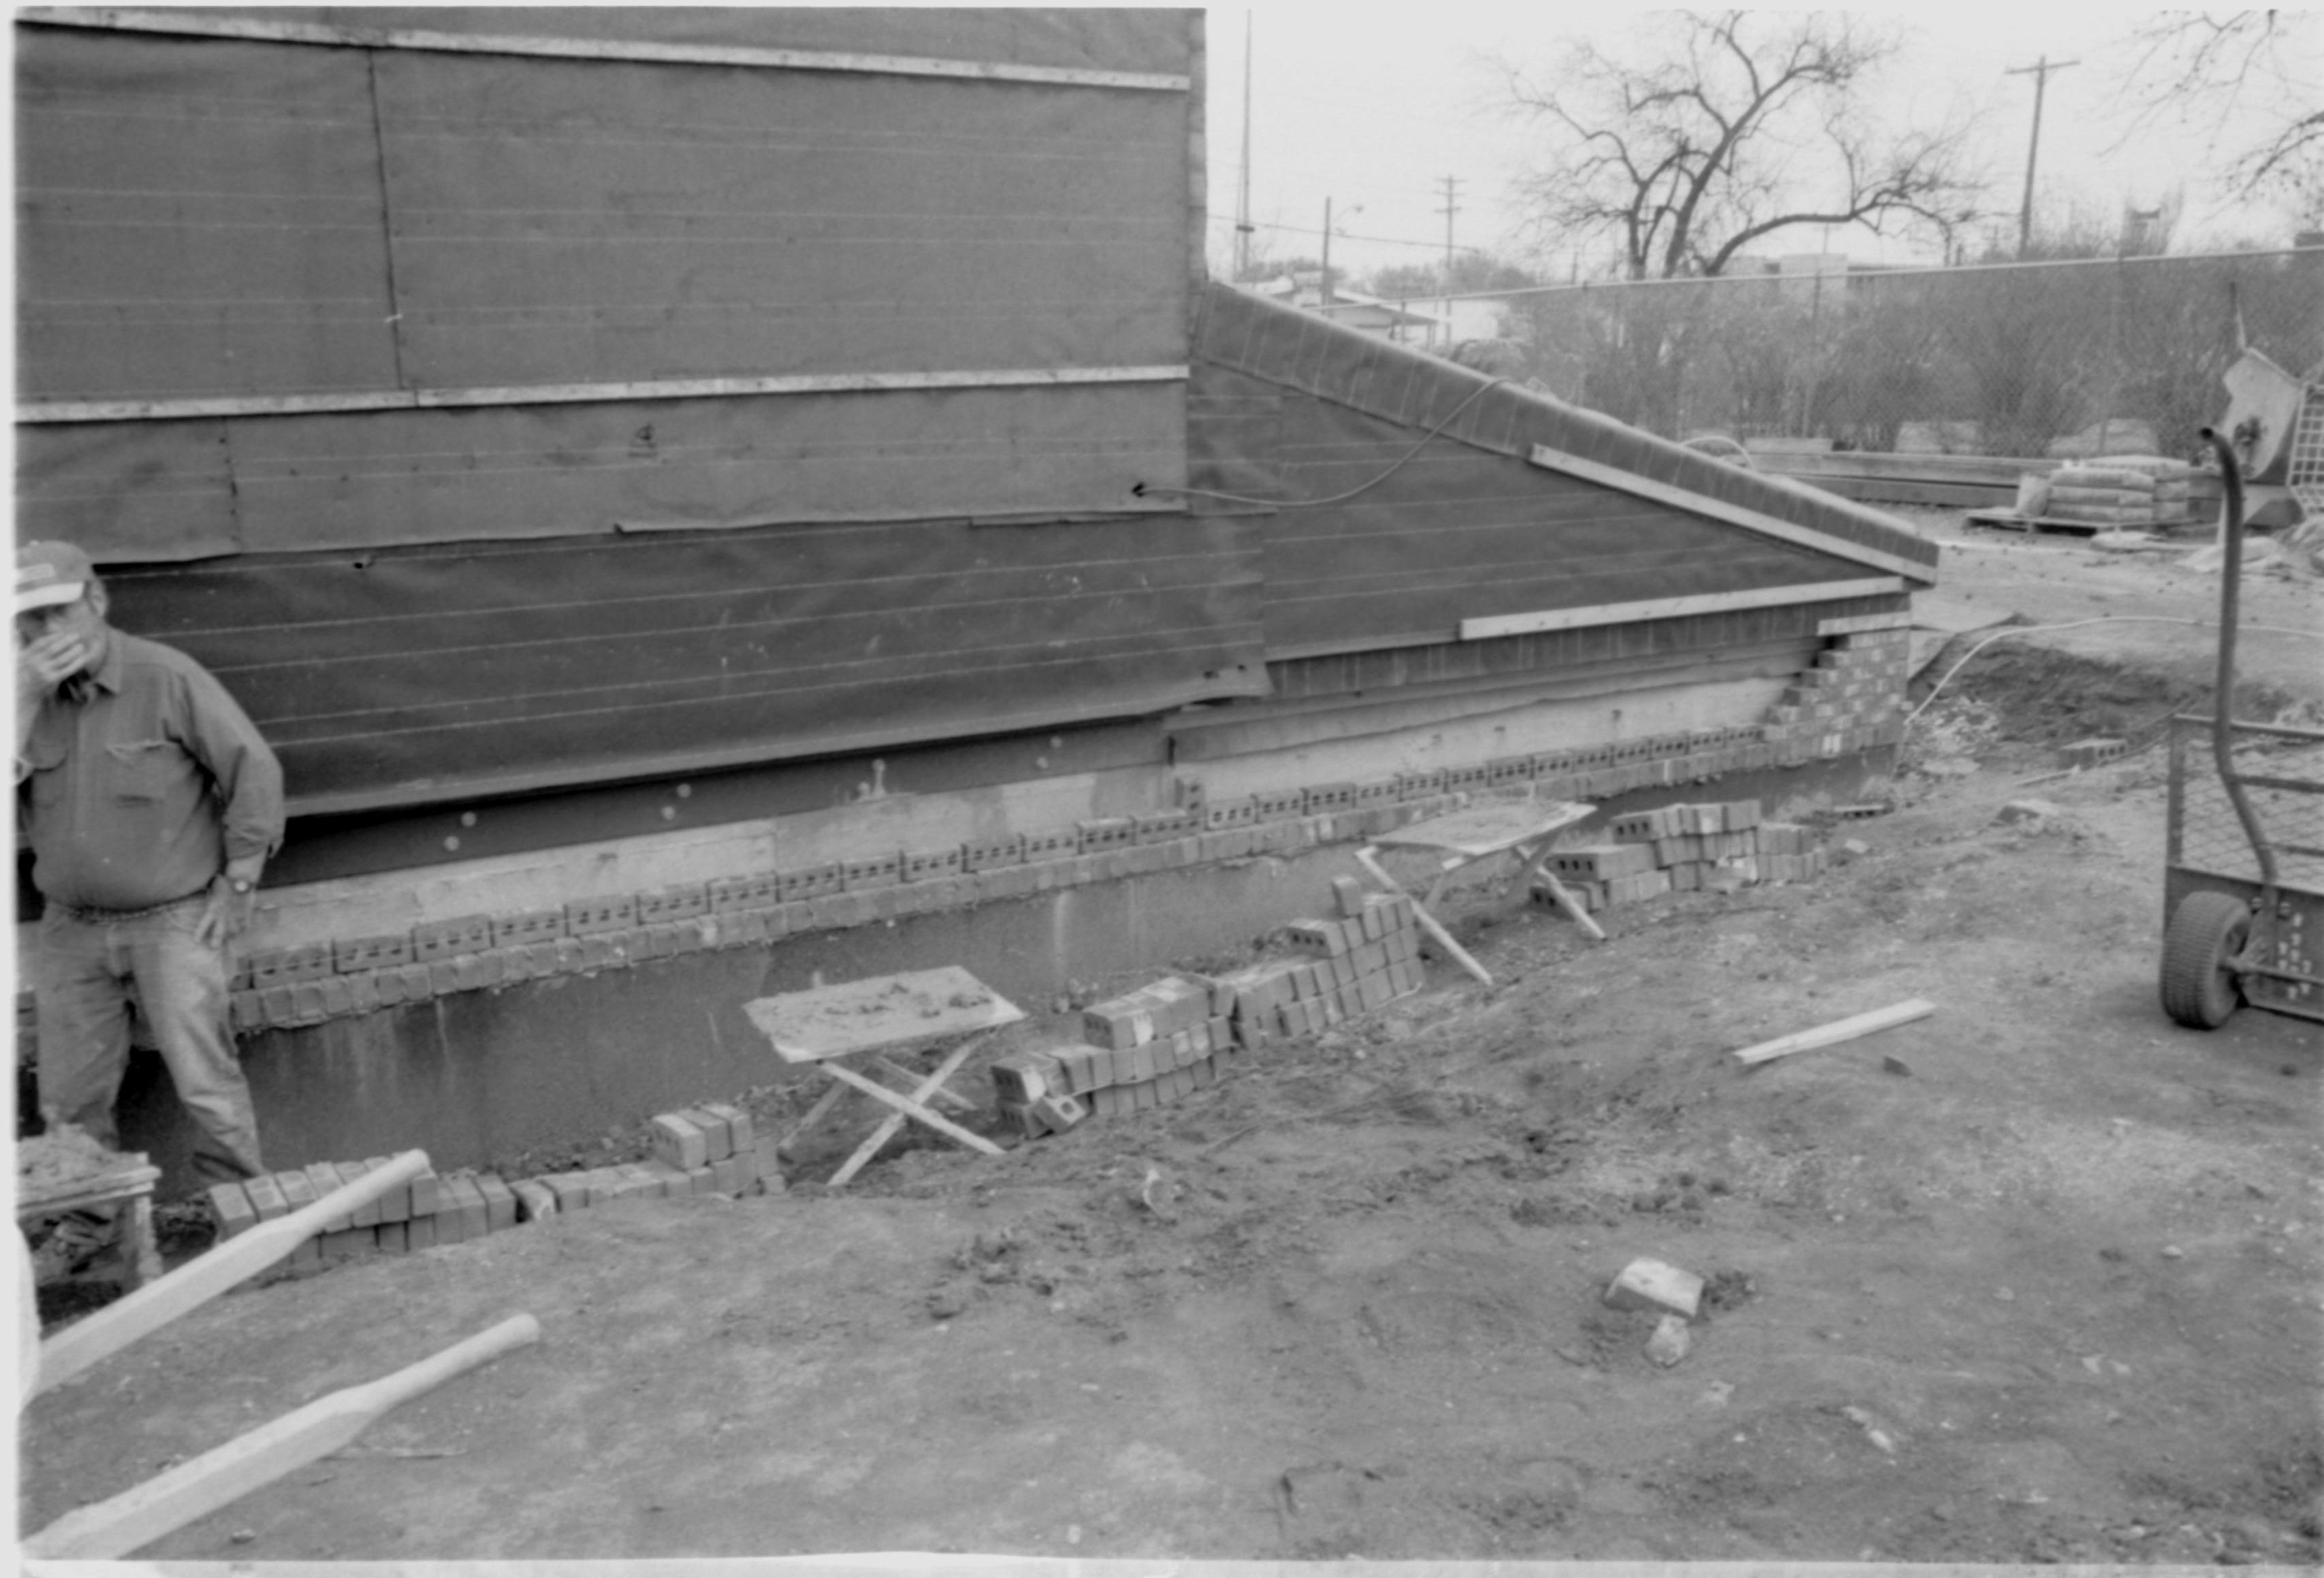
<point>2034,1278</point>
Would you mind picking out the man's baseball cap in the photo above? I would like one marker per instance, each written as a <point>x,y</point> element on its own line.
<point>48,573</point>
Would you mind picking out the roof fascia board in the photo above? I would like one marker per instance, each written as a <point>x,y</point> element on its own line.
<point>1671,608</point>
<point>1572,465</point>
<point>547,394</point>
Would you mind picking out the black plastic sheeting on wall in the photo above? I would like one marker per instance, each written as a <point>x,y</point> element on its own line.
<point>1454,532</point>
<point>1382,539</point>
<point>137,492</point>
<point>414,675</point>
<point>213,218</point>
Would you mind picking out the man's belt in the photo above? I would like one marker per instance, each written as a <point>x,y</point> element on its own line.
<point>88,917</point>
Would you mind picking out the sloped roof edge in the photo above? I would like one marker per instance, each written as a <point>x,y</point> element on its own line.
<point>1306,351</point>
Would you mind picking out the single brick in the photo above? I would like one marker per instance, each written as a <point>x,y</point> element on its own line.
<point>739,1137</point>
<point>298,1192</point>
<point>678,1142</point>
<point>570,1190</point>
<point>325,1178</point>
<point>424,1194</point>
<point>476,1213</point>
<point>677,1182</point>
<point>392,1237</point>
<point>1646,1284</point>
<point>500,1202</point>
<point>732,1173</point>
<point>230,1205</point>
<point>421,1232</point>
<point>719,1144</point>
<point>395,1205</point>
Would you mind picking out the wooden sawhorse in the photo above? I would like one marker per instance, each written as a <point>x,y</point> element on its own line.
<point>866,1024</point>
<point>126,1187</point>
<point>1462,838</point>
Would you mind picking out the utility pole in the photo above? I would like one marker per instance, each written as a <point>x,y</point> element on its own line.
<point>1327,251</point>
<point>2040,72</point>
<point>1448,211</point>
<point>1242,192</point>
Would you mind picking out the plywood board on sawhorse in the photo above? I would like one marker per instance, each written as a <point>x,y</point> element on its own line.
<point>1462,838</point>
<point>868,1022</point>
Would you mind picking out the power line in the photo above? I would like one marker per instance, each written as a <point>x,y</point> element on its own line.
<point>1343,235</point>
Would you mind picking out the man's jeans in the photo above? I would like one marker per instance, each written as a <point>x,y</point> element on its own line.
<point>87,969</point>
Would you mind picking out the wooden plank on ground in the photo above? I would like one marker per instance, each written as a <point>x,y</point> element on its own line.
<point>1838,1031</point>
<point>120,1524</point>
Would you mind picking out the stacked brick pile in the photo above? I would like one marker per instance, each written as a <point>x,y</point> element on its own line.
<point>1164,1041</point>
<point>1360,960</point>
<point>1851,699</point>
<point>1680,848</point>
<point>696,1151</point>
<point>429,1210</point>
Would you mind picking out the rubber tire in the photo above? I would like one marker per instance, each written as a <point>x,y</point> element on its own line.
<point>2206,930</point>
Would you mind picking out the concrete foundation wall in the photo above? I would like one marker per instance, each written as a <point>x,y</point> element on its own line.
<point>473,1075</point>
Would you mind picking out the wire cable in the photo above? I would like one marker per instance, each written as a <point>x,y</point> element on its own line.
<point>1142,489</point>
<point>2077,624</point>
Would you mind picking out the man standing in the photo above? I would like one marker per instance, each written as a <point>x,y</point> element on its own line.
<point>151,804</point>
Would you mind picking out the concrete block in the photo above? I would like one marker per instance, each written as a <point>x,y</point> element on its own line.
<point>351,954</point>
<point>740,1138</point>
<point>266,1197</point>
<point>731,1175</point>
<point>469,1205</point>
<point>718,1143</point>
<point>391,1237</point>
<point>230,1206</point>
<point>766,1166</point>
<point>1650,1284</point>
<point>425,1199</point>
<point>421,1233</point>
<point>500,1202</point>
<point>1059,1111</point>
<point>1602,862</point>
<point>678,1142</point>
<point>669,1182</point>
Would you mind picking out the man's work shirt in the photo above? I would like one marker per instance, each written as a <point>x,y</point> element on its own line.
<point>139,793</point>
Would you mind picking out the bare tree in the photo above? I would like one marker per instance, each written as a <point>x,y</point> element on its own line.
<point>2207,67</point>
<point>1725,130</point>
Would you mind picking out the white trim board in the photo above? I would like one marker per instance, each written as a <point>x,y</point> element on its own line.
<point>257,31</point>
<point>1590,471</point>
<point>1672,608</point>
<point>554,394</point>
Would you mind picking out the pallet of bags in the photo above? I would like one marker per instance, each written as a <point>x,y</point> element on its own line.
<point>2095,495</point>
<point>2174,482</point>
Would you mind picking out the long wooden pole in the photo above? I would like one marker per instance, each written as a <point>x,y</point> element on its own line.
<point>1839,1030</point>
<point>121,1524</point>
<point>197,1281</point>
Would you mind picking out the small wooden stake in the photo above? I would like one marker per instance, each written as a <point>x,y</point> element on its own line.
<point>1840,1030</point>
<point>136,1517</point>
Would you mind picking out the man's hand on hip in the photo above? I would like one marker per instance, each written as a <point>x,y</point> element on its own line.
<point>226,914</point>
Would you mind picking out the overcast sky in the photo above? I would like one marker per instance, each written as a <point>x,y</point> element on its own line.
<point>1371,106</point>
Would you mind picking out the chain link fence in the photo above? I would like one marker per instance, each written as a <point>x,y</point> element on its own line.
<point>2112,356</point>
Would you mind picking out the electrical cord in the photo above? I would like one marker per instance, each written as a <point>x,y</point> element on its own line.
<point>2076,625</point>
<point>1142,489</point>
